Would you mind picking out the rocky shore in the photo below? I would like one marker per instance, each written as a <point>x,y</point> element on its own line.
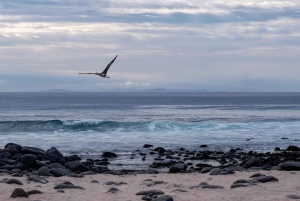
<point>35,165</point>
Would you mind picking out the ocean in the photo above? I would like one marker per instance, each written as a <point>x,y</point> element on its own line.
<point>90,123</point>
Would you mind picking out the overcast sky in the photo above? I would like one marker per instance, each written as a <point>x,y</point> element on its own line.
<point>175,44</point>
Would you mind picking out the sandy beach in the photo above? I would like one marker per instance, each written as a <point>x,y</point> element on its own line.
<point>288,184</point>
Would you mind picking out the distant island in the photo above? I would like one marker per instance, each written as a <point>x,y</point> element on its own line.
<point>132,90</point>
<point>57,90</point>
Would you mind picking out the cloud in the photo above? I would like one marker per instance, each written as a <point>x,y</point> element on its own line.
<point>5,35</point>
<point>160,42</point>
<point>130,83</point>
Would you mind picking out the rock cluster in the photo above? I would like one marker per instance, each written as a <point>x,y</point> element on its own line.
<point>18,160</point>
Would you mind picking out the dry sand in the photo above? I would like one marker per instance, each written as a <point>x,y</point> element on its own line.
<point>289,183</point>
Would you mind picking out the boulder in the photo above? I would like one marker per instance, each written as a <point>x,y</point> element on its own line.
<point>290,165</point>
<point>264,179</point>
<point>59,172</point>
<point>147,145</point>
<point>252,163</point>
<point>152,192</point>
<point>13,146</point>
<point>72,158</point>
<point>164,198</point>
<point>67,184</point>
<point>292,148</point>
<point>53,158</point>
<point>19,192</point>
<point>11,181</point>
<point>20,166</point>
<point>53,150</point>
<point>76,166</point>
<point>159,150</point>
<point>109,155</point>
<point>37,178</point>
<point>5,155</point>
<point>32,150</point>
<point>178,167</point>
<point>32,192</point>
<point>29,159</point>
<point>113,190</point>
<point>40,164</point>
<point>57,165</point>
<point>215,171</point>
<point>228,170</point>
<point>44,171</point>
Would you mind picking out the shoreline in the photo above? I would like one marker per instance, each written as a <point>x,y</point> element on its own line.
<point>61,177</point>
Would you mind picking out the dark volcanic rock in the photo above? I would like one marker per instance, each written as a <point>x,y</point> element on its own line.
<point>40,164</point>
<point>277,149</point>
<point>205,185</point>
<point>53,150</point>
<point>257,175</point>
<point>292,148</point>
<point>296,197</point>
<point>32,192</point>
<point>32,150</point>
<point>59,172</point>
<point>109,155</point>
<point>290,165</point>
<point>95,181</point>
<point>11,181</point>
<point>44,171</point>
<point>206,169</point>
<point>239,168</point>
<point>159,150</point>
<point>66,184</point>
<point>152,192</point>
<point>237,185</point>
<point>164,198</point>
<point>72,158</point>
<point>38,179</point>
<point>265,179</point>
<point>76,166</point>
<point>212,187</point>
<point>18,193</point>
<point>112,183</point>
<point>29,159</point>
<point>147,145</point>
<point>5,155</point>
<point>228,170</point>
<point>147,197</point>
<point>53,158</point>
<point>215,171</point>
<point>13,146</point>
<point>178,167</point>
<point>113,190</point>
<point>242,181</point>
<point>252,163</point>
<point>16,166</point>
<point>57,165</point>
<point>203,146</point>
<point>180,190</point>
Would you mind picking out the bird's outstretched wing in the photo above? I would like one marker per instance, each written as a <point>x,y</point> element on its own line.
<point>108,66</point>
<point>88,73</point>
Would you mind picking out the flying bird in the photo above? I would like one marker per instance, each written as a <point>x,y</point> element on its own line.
<point>103,74</point>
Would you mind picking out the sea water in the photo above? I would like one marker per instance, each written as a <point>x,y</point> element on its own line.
<point>90,123</point>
